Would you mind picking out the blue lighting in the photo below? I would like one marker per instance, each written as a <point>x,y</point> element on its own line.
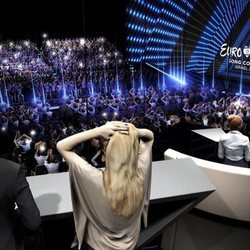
<point>216,32</point>
<point>154,36</point>
<point>1,97</point>
<point>178,78</point>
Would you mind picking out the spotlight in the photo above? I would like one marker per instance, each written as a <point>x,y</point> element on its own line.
<point>48,43</point>
<point>32,132</point>
<point>42,148</point>
<point>44,35</point>
<point>82,41</point>
<point>27,141</point>
<point>116,113</point>
<point>3,128</point>
<point>104,114</point>
<point>26,43</point>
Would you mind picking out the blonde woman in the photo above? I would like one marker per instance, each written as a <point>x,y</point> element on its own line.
<point>108,204</point>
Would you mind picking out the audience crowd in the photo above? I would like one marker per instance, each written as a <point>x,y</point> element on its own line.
<point>72,85</point>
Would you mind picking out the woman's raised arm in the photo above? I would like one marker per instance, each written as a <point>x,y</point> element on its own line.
<point>65,147</point>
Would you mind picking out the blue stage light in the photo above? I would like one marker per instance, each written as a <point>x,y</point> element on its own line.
<point>219,27</point>
<point>161,26</point>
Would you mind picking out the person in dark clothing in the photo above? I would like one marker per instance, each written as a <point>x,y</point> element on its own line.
<point>18,209</point>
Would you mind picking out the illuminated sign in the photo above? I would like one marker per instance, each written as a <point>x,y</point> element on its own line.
<point>234,51</point>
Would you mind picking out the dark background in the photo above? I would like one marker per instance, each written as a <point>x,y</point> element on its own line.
<point>63,19</point>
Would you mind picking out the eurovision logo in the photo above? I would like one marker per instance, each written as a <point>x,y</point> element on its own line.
<point>238,56</point>
<point>234,51</point>
<point>246,51</point>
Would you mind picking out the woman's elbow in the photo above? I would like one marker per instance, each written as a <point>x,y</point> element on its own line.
<point>59,147</point>
<point>151,135</point>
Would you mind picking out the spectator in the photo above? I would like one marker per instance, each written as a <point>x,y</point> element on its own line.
<point>24,142</point>
<point>108,204</point>
<point>14,190</point>
<point>234,147</point>
<point>41,152</point>
<point>51,163</point>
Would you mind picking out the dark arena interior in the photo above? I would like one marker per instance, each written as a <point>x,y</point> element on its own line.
<point>170,66</point>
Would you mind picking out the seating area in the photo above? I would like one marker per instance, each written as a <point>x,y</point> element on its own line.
<point>232,196</point>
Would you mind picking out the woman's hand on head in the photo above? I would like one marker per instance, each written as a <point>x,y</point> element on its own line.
<point>110,128</point>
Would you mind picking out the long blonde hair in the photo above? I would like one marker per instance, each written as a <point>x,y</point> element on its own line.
<point>124,181</point>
